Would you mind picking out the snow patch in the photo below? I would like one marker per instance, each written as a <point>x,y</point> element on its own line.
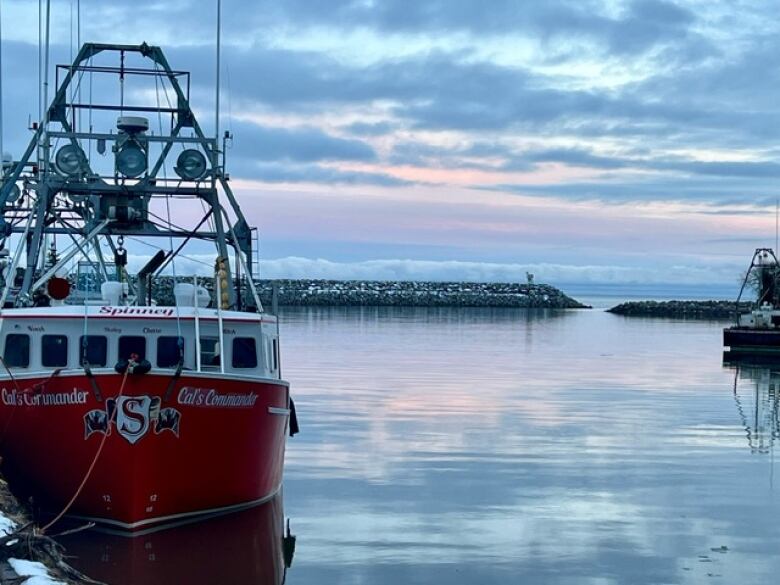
<point>37,573</point>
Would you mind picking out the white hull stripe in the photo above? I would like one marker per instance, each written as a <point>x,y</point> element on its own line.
<point>280,411</point>
<point>101,372</point>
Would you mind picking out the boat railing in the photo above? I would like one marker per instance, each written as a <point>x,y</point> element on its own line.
<point>218,285</point>
<point>196,318</point>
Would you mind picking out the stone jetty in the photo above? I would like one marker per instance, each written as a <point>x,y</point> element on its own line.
<point>305,292</point>
<point>708,310</point>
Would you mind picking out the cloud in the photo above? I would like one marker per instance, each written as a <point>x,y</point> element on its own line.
<point>302,144</point>
<point>464,156</point>
<point>625,101</point>
<point>648,23</point>
<point>455,89</point>
<point>303,173</point>
<point>400,269</point>
<point>577,157</point>
<point>640,26</point>
<point>746,169</point>
<point>371,128</point>
<point>632,27</point>
<point>714,190</point>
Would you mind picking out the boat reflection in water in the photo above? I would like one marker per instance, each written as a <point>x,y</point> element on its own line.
<point>243,547</point>
<point>757,396</point>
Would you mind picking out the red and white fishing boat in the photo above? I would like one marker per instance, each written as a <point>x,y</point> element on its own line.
<point>116,407</point>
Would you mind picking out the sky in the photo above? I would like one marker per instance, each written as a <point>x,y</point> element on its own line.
<point>610,142</point>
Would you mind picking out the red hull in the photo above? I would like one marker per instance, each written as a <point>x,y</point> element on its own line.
<point>246,547</point>
<point>217,444</point>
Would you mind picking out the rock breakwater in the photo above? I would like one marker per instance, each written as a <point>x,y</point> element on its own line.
<point>712,310</point>
<point>305,292</point>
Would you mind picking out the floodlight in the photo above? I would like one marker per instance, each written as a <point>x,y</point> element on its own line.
<point>191,164</point>
<point>70,160</point>
<point>131,160</point>
<point>13,194</point>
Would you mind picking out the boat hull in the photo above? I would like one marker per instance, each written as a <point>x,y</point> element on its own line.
<point>751,340</point>
<point>216,444</point>
<point>246,547</point>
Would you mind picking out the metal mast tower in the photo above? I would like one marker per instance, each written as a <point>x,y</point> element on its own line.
<point>59,190</point>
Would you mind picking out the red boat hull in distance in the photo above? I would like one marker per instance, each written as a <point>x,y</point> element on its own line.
<point>216,444</point>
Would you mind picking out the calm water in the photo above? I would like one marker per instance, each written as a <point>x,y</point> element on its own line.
<point>481,446</point>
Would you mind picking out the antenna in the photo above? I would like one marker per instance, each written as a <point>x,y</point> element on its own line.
<point>45,72</point>
<point>40,61</point>
<point>219,42</point>
<point>78,48</point>
<point>2,152</point>
<point>777,219</point>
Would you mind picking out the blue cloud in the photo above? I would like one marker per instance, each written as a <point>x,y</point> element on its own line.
<point>371,128</point>
<point>619,189</point>
<point>577,157</point>
<point>312,173</point>
<point>267,143</point>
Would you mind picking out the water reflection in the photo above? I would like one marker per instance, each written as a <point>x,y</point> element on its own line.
<point>245,547</point>
<point>475,446</point>
<point>493,447</point>
<point>757,396</point>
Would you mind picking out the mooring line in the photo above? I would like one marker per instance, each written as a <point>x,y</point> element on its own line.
<point>92,465</point>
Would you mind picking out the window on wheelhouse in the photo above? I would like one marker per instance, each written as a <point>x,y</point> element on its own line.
<point>244,352</point>
<point>16,353</point>
<point>168,352</point>
<point>130,344</point>
<point>96,350</point>
<point>209,352</point>
<point>54,351</point>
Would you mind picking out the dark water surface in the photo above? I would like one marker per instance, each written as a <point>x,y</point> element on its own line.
<point>500,446</point>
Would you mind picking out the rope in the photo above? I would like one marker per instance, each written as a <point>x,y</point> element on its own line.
<point>87,475</point>
<point>190,258</point>
<point>21,392</point>
<point>167,98</point>
<point>73,90</point>
<point>229,100</point>
<point>179,339</point>
<point>159,118</point>
<point>35,387</point>
<point>173,269</point>
<point>10,375</point>
<point>86,317</point>
<point>13,412</point>
<point>84,344</point>
<point>89,156</point>
<point>72,93</point>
